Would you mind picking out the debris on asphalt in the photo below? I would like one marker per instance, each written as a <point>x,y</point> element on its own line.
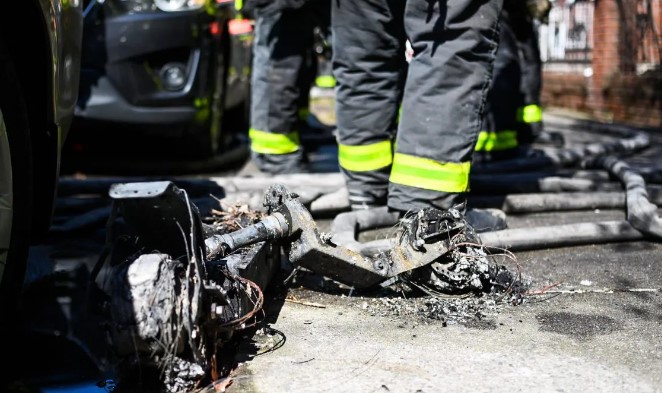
<point>410,304</point>
<point>175,303</point>
<point>494,287</point>
<point>449,310</point>
<point>468,309</point>
<point>468,266</point>
<point>231,217</point>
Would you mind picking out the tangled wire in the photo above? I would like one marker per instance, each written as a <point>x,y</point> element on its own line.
<point>468,266</point>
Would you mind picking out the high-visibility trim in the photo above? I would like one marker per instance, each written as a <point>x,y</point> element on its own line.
<point>529,114</point>
<point>429,174</point>
<point>238,5</point>
<point>496,141</point>
<point>269,143</point>
<point>365,157</point>
<point>325,81</point>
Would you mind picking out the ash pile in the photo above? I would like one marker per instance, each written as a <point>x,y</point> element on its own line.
<point>421,305</point>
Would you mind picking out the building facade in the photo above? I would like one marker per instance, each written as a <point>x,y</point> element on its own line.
<point>602,58</point>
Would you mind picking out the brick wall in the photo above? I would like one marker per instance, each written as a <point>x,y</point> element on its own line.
<point>623,81</point>
<point>566,90</point>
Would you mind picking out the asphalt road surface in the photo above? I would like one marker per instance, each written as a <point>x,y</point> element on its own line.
<point>591,320</point>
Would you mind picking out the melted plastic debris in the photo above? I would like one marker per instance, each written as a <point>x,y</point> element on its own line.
<point>182,376</point>
<point>467,310</point>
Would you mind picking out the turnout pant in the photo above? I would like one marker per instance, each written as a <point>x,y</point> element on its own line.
<point>513,117</point>
<point>282,75</point>
<point>529,115</point>
<point>417,155</point>
<point>502,133</point>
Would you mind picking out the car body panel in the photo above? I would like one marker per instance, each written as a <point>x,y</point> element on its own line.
<point>45,47</point>
<point>125,56</point>
<point>38,88</point>
<point>63,21</point>
<point>118,83</point>
<point>64,27</point>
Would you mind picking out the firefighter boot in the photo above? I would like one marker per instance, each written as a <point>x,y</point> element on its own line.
<point>486,220</point>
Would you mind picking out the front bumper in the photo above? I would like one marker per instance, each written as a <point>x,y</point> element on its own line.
<point>106,104</point>
<point>124,57</point>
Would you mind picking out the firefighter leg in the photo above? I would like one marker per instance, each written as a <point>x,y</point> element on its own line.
<point>369,65</point>
<point>282,45</point>
<point>449,75</point>
<point>499,138</point>
<point>529,115</point>
<point>320,73</point>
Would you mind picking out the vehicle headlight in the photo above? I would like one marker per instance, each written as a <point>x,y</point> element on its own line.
<point>138,6</point>
<point>131,6</point>
<point>178,5</point>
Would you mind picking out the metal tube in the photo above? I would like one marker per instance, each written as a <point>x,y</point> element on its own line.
<point>272,227</point>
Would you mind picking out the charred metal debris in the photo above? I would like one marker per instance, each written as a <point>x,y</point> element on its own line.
<point>182,285</point>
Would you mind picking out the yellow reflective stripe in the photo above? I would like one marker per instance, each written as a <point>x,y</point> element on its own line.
<point>238,5</point>
<point>209,7</point>
<point>325,81</point>
<point>269,143</point>
<point>494,141</point>
<point>485,141</point>
<point>529,114</point>
<point>430,174</point>
<point>365,157</point>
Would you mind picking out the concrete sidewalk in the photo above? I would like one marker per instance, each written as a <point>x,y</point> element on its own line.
<point>598,330</point>
<point>593,324</point>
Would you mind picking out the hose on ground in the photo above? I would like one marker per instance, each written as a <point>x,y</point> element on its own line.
<point>642,219</point>
<point>346,226</point>
<point>641,213</point>
<point>522,239</point>
<point>590,176</point>
<point>562,201</point>
<point>554,158</point>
